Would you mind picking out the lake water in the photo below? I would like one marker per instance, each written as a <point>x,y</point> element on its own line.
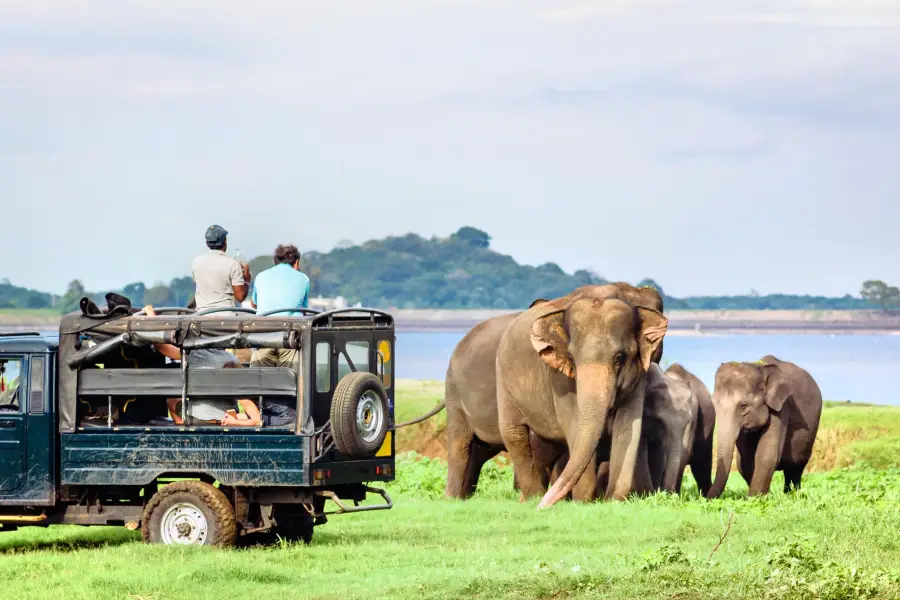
<point>859,368</point>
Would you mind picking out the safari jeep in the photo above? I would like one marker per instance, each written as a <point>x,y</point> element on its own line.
<point>88,435</point>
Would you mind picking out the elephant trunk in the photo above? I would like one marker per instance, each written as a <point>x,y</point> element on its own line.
<point>727,435</point>
<point>596,393</point>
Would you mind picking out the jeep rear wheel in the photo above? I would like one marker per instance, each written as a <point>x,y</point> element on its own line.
<point>359,415</point>
<point>191,513</point>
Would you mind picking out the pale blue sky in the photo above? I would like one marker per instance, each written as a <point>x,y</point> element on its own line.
<point>715,146</point>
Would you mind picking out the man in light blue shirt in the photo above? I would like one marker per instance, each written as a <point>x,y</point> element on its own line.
<point>280,287</point>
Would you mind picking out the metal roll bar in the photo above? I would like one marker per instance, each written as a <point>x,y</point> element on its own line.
<point>210,311</point>
<point>305,311</point>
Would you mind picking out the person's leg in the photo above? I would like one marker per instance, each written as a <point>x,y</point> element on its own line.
<point>263,357</point>
<point>174,405</point>
<point>288,358</point>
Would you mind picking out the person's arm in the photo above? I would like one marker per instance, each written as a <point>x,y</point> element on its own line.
<point>252,412</point>
<point>305,302</point>
<point>240,281</point>
<point>167,350</point>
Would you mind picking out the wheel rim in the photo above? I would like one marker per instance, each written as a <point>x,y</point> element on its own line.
<point>369,416</point>
<point>184,524</point>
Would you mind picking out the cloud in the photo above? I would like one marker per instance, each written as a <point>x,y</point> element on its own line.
<point>720,153</point>
<point>427,115</point>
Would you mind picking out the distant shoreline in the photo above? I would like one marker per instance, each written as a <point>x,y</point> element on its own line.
<point>681,322</point>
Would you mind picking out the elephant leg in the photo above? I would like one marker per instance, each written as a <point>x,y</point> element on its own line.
<point>586,487</point>
<point>792,474</point>
<point>479,454</point>
<point>602,478</point>
<point>766,459</point>
<point>546,454</point>
<point>746,457</point>
<point>643,477</point>
<point>626,440</point>
<point>656,461</point>
<point>459,454</point>
<point>558,466</point>
<point>517,439</point>
<point>701,465</point>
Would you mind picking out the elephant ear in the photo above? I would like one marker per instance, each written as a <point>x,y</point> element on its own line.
<point>550,337</point>
<point>653,325</point>
<point>778,388</point>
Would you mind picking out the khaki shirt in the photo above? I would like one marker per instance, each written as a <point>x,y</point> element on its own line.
<point>215,273</point>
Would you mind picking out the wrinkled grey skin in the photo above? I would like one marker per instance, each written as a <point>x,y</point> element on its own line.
<point>702,450</point>
<point>769,411</point>
<point>471,396</point>
<point>668,431</point>
<point>667,434</point>
<point>473,431</point>
<point>571,370</point>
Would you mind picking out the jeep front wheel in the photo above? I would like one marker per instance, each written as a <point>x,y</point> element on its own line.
<point>191,513</point>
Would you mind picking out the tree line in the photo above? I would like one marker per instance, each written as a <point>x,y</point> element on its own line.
<point>454,272</point>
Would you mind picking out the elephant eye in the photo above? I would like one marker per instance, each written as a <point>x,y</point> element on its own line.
<point>619,359</point>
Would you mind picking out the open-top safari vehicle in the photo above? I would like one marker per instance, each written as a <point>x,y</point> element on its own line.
<point>87,434</point>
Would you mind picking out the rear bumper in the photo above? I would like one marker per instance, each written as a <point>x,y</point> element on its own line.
<point>328,474</point>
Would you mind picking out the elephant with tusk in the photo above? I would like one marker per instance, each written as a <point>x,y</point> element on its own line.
<point>572,370</point>
<point>470,398</point>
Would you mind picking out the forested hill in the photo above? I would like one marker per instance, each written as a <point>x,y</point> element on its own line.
<point>461,271</point>
<point>458,271</point>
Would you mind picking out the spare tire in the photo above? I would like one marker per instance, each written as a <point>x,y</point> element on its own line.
<point>359,415</point>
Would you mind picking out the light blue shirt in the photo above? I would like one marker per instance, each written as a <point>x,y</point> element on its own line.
<point>282,286</point>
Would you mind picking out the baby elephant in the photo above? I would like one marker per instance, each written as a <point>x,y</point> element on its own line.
<point>770,411</point>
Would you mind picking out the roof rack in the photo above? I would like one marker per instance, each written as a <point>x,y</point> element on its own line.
<point>19,333</point>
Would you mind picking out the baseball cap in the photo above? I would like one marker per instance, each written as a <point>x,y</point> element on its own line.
<point>216,235</point>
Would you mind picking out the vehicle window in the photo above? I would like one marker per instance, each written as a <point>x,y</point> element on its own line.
<point>323,367</point>
<point>358,351</point>
<point>36,391</point>
<point>9,385</point>
<point>384,349</point>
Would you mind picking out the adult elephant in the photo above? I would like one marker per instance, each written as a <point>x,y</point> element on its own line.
<point>571,370</point>
<point>770,412</point>
<point>701,457</point>
<point>470,394</point>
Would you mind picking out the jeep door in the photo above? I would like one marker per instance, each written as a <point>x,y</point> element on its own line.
<point>13,386</point>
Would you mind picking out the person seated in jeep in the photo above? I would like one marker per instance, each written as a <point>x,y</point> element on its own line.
<point>222,411</point>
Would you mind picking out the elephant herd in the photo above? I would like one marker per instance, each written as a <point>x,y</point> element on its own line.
<point>572,389</point>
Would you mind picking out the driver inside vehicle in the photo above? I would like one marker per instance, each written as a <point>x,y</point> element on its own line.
<point>9,386</point>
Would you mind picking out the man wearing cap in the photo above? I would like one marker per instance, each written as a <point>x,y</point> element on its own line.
<point>221,280</point>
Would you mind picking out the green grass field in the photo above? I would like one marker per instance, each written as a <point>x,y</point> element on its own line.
<point>836,538</point>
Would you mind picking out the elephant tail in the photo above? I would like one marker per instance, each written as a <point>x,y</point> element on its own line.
<point>424,417</point>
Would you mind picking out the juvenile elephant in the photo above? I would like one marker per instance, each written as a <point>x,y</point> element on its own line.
<point>572,370</point>
<point>702,447</point>
<point>667,433</point>
<point>770,411</point>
